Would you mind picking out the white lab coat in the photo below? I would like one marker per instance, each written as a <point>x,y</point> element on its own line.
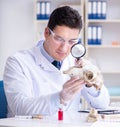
<point>32,85</point>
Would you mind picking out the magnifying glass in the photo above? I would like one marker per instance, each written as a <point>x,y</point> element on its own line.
<point>78,51</point>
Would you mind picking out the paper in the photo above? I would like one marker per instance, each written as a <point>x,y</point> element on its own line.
<point>106,124</point>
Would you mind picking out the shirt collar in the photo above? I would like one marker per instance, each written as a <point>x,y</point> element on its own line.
<point>45,54</point>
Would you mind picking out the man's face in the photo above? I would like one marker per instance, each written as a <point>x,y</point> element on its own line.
<point>58,42</point>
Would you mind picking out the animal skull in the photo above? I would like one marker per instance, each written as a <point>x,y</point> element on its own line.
<point>90,73</point>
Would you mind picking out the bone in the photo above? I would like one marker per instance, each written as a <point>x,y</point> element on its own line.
<point>90,73</point>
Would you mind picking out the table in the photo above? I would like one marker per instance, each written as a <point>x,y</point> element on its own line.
<point>71,119</point>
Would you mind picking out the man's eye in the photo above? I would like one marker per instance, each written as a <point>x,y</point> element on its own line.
<point>72,42</point>
<point>58,38</point>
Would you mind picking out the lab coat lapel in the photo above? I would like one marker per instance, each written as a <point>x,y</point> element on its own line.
<point>42,61</point>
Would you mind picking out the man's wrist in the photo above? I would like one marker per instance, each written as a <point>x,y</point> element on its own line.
<point>62,101</point>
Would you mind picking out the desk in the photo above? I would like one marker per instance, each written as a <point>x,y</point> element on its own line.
<point>71,119</point>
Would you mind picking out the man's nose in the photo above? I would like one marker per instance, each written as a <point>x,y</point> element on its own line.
<point>65,45</point>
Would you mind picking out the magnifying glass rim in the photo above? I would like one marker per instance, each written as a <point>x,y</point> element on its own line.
<point>82,54</point>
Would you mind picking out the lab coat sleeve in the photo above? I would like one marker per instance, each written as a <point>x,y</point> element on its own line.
<point>18,90</point>
<point>98,99</point>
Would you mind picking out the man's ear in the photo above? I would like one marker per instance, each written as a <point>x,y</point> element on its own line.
<point>46,32</point>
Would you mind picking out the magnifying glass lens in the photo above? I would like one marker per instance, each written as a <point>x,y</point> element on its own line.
<point>78,50</point>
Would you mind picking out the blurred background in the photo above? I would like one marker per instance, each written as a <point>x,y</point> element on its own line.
<point>16,28</point>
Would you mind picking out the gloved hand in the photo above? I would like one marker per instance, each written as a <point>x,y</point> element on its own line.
<point>70,89</point>
<point>88,71</point>
<point>82,62</point>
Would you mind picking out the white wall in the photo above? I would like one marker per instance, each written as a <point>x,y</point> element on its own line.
<point>16,28</point>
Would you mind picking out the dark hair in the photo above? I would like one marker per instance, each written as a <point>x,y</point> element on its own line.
<point>67,16</point>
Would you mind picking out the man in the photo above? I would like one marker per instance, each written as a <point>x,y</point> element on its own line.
<point>33,85</point>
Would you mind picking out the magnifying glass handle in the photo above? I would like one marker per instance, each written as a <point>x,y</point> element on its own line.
<point>79,62</point>
<point>77,59</point>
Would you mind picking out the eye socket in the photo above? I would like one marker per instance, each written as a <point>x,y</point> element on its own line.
<point>90,76</point>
